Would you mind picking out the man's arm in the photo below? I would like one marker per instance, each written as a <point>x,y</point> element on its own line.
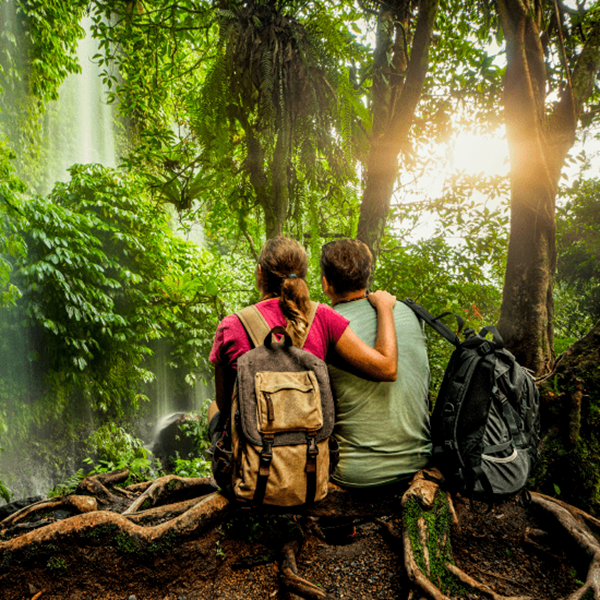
<point>380,362</point>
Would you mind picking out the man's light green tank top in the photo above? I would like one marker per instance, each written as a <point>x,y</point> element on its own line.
<point>382,427</point>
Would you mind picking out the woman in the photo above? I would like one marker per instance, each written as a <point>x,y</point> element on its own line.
<point>284,300</point>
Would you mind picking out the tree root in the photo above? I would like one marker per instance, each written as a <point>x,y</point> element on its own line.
<point>194,521</point>
<point>579,514</point>
<point>292,581</point>
<point>574,523</point>
<point>429,518</point>
<point>79,504</point>
<point>169,486</point>
<point>591,587</point>
<point>434,558</point>
<point>161,513</point>
<point>422,491</point>
<point>480,587</point>
<point>93,486</point>
<point>139,488</point>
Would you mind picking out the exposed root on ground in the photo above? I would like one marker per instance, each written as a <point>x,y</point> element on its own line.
<point>429,518</point>
<point>77,504</point>
<point>290,579</point>
<point>427,555</point>
<point>194,521</point>
<point>574,523</point>
<point>170,487</point>
<point>162,513</point>
<point>96,486</point>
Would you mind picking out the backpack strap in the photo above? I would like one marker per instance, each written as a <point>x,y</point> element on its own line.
<point>310,317</point>
<point>435,322</point>
<point>258,329</point>
<point>255,325</point>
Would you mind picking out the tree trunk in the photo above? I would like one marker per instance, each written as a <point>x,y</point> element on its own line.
<point>397,87</point>
<point>272,195</point>
<point>538,145</point>
<point>276,211</point>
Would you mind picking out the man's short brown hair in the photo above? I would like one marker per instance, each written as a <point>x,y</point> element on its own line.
<point>346,264</point>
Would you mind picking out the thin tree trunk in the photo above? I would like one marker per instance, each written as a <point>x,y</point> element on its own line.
<point>397,88</point>
<point>276,211</point>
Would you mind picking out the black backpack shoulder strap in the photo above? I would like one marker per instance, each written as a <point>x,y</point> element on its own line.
<point>255,325</point>
<point>435,322</point>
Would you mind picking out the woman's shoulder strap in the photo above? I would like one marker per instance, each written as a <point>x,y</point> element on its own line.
<point>255,325</point>
<point>310,317</point>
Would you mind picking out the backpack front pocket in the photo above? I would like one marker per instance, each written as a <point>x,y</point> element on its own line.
<point>288,401</point>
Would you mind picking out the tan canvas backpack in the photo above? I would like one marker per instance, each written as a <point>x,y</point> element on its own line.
<point>279,450</point>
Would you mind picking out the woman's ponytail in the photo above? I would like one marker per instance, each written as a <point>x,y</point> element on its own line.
<point>294,302</point>
<point>284,265</point>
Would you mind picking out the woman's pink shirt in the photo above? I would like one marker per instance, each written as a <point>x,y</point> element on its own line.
<point>231,340</point>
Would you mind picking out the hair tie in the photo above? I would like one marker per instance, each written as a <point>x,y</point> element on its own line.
<point>291,275</point>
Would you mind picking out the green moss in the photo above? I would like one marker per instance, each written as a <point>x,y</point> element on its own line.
<point>571,417</point>
<point>173,485</point>
<point>101,533</point>
<point>146,504</point>
<point>439,524</point>
<point>165,543</point>
<point>126,544</point>
<point>56,564</point>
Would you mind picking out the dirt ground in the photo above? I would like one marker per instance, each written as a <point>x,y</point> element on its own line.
<point>239,560</point>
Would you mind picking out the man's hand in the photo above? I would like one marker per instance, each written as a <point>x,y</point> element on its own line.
<point>381,300</point>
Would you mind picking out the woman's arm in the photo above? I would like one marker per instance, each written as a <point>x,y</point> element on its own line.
<point>380,362</point>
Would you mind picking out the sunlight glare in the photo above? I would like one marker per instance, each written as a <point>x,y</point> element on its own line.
<point>476,154</point>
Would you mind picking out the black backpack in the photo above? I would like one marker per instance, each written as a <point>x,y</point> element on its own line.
<point>485,425</point>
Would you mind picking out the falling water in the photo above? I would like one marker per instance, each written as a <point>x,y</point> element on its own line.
<point>78,128</point>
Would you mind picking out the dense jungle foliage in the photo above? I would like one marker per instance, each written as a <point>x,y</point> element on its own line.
<point>251,119</point>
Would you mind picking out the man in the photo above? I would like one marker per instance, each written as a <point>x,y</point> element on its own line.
<point>382,428</point>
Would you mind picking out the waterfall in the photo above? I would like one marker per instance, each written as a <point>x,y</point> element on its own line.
<point>169,392</point>
<point>79,127</point>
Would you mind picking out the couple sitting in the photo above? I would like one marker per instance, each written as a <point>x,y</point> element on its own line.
<point>375,349</point>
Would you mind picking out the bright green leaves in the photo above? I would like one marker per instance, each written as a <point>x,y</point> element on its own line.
<point>54,32</point>
<point>103,276</point>
<point>578,266</point>
<point>12,244</point>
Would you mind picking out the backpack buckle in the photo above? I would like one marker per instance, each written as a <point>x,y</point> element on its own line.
<point>496,393</point>
<point>266,456</point>
<point>311,453</point>
<point>484,348</point>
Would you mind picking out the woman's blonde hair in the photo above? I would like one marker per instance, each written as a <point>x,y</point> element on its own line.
<point>284,265</point>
